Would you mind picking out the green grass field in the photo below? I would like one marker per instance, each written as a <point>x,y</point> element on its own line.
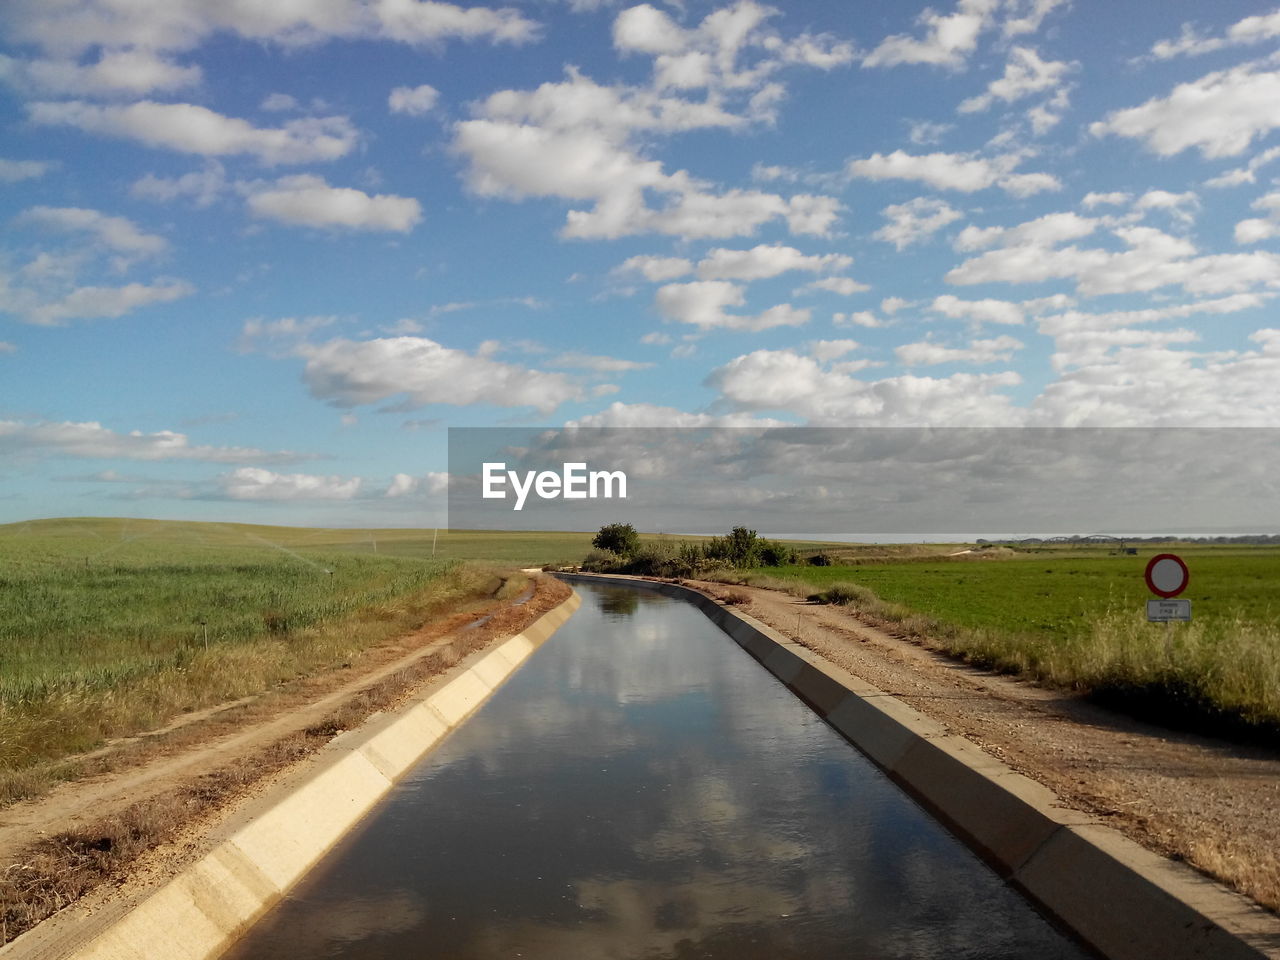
<point>1076,618</point>
<point>1062,593</point>
<point>110,627</point>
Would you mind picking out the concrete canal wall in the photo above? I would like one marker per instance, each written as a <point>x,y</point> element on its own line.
<point>1123,900</point>
<point>270,844</point>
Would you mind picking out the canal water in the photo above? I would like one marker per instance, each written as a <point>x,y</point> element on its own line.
<point>642,788</point>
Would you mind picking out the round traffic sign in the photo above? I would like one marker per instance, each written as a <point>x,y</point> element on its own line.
<point>1167,575</point>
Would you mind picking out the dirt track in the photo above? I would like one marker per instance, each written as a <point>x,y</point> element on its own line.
<point>1206,801</point>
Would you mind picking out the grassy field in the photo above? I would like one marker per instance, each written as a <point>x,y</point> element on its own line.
<point>110,627</point>
<point>1061,594</point>
<point>1075,617</point>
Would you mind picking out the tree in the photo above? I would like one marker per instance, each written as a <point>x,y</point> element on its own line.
<point>743,547</point>
<point>619,538</point>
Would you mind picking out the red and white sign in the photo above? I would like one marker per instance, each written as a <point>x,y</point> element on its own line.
<point>1167,576</point>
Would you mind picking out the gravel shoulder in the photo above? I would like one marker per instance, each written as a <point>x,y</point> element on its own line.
<point>1209,802</point>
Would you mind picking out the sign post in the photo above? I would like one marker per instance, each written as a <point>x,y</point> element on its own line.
<point>1167,576</point>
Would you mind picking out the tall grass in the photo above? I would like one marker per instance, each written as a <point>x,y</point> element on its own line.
<point>104,637</point>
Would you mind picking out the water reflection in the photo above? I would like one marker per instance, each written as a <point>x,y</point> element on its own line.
<point>619,604</point>
<point>643,789</point>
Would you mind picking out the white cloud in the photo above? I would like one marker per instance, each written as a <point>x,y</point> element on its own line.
<point>826,350</point>
<point>1115,198</point>
<point>202,186</point>
<point>256,483</point>
<point>651,415</point>
<point>892,305</point>
<point>860,318</point>
<point>425,21</point>
<point>90,302</point>
<point>645,29</point>
<point>712,54</point>
<point>1025,16</point>
<point>656,269</point>
<point>94,441</point>
<point>188,128</point>
<point>307,200</point>
<point>14,171</point>
<point>915,221</point>
<point>577,140</point>
<point>843,286</point>
<point>287,330</point>
<point>519,160</point>
<point>978,353</point>
<point>279,103</point>
<point>405,485</point>
<point>978,311</point>
<point>1151,260</point>
<point>1075,321</point>
<point>1221,114</point>
<point>1045,116</point>
<point>117,234</point>
<point>1182,207</point>
<point>1046,231</point>
<point>965,172</point>
<point>1029,184</point>
<point>7,348</point>
<point>1024,74</point>
<point>349,373</point>
<point>1082,348</point>
<point>1138,380</point>
<point>70,29</point>
<point>926,132</point>
<point>1247,31</point>
<point>130,72</point>
<point>579,103</point>
<point>764,261</point>
<point>415,101</point>
<point>704,304</point>
<point>784,380</point>
<point>584,361</point>
<point>1245,174</point>
<point>1261,228</point>
<point>948,39</point>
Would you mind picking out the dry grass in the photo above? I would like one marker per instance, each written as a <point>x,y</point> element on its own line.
<point>1251,871</point>
<point>60,869</point>
<point>66,717</point>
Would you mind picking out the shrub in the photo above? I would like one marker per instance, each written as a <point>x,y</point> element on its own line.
<point>775,554</point>
<point>845,594</point>
<point>619,538</point>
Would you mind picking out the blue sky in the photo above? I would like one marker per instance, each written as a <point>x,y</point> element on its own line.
<point>258,257</point>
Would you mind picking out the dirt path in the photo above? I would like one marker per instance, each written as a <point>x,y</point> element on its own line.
<point>58,847</point>
<point>1212,803</point>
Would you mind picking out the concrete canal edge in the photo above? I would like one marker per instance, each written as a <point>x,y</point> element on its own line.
<point>266,847</point>
<point>1120,898</point>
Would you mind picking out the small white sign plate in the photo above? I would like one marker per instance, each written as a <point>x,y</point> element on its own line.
<point>1162,611</point>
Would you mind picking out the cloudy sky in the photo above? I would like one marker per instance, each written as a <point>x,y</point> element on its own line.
<point>258,257</point>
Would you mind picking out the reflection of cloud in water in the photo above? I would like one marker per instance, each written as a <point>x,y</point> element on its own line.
<point>644,920</point>
<point>641,789</point>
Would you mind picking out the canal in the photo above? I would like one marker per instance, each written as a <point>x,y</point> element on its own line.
<point>642,788</point>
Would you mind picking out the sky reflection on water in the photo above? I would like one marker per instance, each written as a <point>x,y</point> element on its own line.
<point>642,788</point>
